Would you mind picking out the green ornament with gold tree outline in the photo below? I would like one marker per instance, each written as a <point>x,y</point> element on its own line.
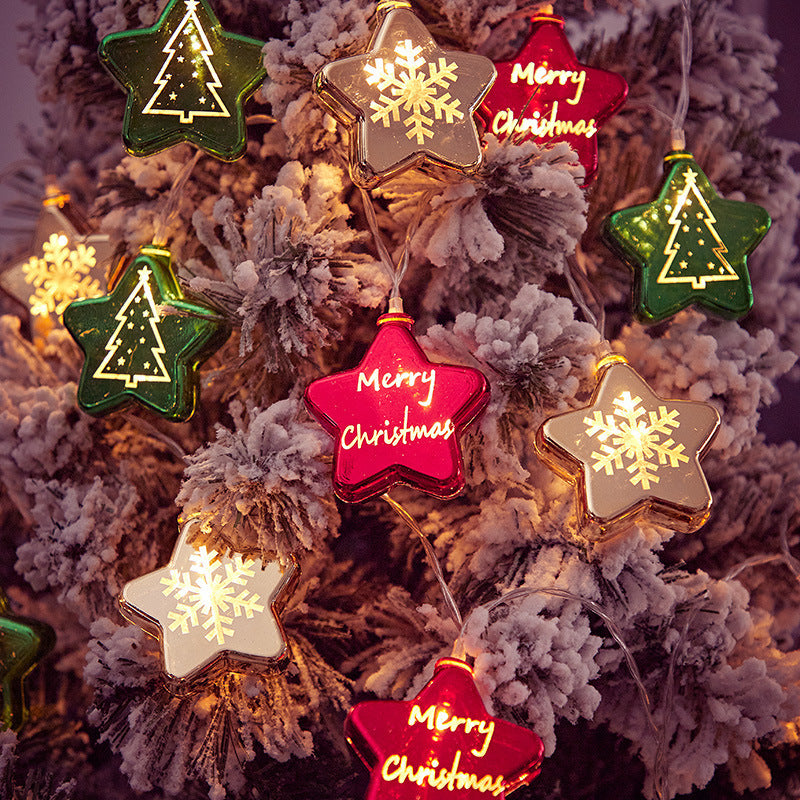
<point>689,246</point>
<point>144,341</point>
<point>187,80</point>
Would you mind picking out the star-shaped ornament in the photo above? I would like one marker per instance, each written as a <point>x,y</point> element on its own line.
<point>211,612</point>
<point>397,417</point>
<point>688,246</point>
<point>187,80</point>
<point>442,744</point>
<point>632,454</point>
<point>544,94</point>
<point>67,263</point>
<point>407,101</point>
<point>144,341</point>
<point>24,643</point>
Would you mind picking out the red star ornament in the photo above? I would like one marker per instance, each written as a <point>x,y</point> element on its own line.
<point>442,744</point>
<point>545,94</point>
<point>397,417</point>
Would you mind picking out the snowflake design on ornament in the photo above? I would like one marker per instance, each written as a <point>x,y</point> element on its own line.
<point>204,592</point>
<point>60,276</point>
<point>414,93</point>
<point>633,434</point>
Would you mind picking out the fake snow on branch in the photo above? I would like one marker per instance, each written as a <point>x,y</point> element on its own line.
<point>536,356</point>
<point>514,222</point>
<point>289,266</point>
<point>263,487</point>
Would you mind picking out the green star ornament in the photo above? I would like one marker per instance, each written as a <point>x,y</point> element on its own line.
<point>187,80</point>
<point>144,341</point>
<point>23,643</point>
<point>689,246</point>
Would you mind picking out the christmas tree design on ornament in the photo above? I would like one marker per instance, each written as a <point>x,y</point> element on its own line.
<point>689,246</point>
<point>692,222</point>
<point>144,341</point>
<point>187,80</point>
<point>134,350</point>
<point>191,44</point>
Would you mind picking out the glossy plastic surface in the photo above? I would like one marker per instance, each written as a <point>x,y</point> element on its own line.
<point>397,417</point>
<point>407,101</point>
<point>67,262</point>
<point>688,246</point>
<point>23,643</point>
<point>442,744</point>
<point>545,94</point>
<point>211,611</point>
<point>144,341</point>
<point>632,454</point>
<point>186,79</point>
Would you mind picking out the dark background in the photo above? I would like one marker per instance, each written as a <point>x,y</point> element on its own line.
<point>778,423</point>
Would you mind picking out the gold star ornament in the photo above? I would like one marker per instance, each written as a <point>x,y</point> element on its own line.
<point>67,262</point>
<point>407,101</point>
<point>211,612</point>
<point>633,455</point>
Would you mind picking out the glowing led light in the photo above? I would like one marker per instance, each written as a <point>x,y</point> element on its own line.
<point>187,81</point>
<point>211,610</point>
<point>632,454</point>
<point>407,101</point>
<point>443,742</point>
<point>397,416</point>
<point>688,246</point>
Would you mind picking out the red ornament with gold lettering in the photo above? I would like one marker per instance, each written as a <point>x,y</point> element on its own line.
<point>397,417</point>
<point>442,744</point>
<point>545,94</point>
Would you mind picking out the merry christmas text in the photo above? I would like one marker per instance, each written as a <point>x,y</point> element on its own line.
<point>506,122</point>
<point>448,778</point>
<point>544,76</point>
<point>388,380</point>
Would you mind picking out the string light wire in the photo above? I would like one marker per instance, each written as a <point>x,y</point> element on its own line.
<point>395,273</point>
<point>167,217</point>
<point>682,108</point>
<point>433,561</point>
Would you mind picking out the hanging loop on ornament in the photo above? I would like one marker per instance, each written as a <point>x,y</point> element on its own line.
<point>682,108</point>
<point>165,219</point>
<point>395,273</point>
<point>433,561</point>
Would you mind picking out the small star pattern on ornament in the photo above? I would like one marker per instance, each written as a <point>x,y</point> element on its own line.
<point>397,417</point>
<point>24,643</point>
<point>144,341</point>
<point>196,96</point>
<point>688,246</point>
<point>632,454</point>
<point>211,611</point>
<point>67,262</point>
<point>407,100</point>
<point>442,744</point>
<point>544,94</point>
